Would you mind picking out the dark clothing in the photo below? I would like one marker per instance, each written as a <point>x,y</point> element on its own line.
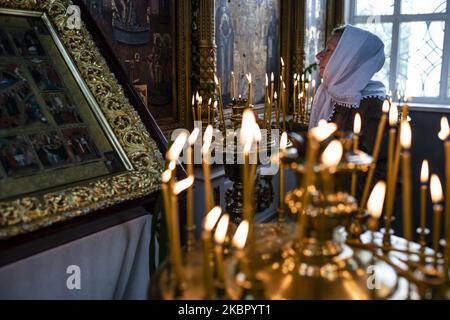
<point>370,111</point>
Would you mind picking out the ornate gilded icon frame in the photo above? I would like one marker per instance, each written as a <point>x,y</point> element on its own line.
<point>140,155</point>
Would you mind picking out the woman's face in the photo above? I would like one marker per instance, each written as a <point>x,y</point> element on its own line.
<point>325,55</point>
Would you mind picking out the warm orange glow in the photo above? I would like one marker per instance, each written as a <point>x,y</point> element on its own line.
<point>436,189</point>
<point>207,139</point>
<point>249,78</point>
<point>323,131</point>
<point>221,230</point>
<point>211,218</point>
<point>445,130</point>
<point>393,115</point>
<point>357,124</point>
<point>386,106</point>
<point>177,146</point>
<point>332,155</point>
<point>247,129</point>
<point>272,77</point>
<point>240,237</point>
<point>166,176</point>
<point>216,80</point>
<point>425,172</point>
<point>193,136</point>
<point>376,200</point>
<point>267,80</point>
<point>183,185</point>
<point>282,62</point>
<point>406,135</point>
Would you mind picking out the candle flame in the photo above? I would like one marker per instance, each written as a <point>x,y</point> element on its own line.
<point>405,135</point>
<point>303,77</point>
<point>332,155</point>
<point>209,101</point>
<point>172,165</point>
<point>436,189</point>
<point>193,99</point>
<point>247,129</point>
<point>216,80</point>
<point>307,85</point>
<point>272,77</point>
<point>166,176</point>
<point>309,77</point>
<point>200,100</point>
<point>295,83</point>
<point>197,96</point>
<point>240,237</point>
<point>267,80</point>
<point>257,133</point>
<point>300,95</point>
<point>376,200</point>
<point>425,172</point>
<point>314,83</point>
<point>193,136</point>
<point>386,106</point>
<point>282,62</point>
<point>445,130</point>
<point>207,139</point>
<point>177,146</point>
<point>295,76</point>
<point>275,95</point>
<point>249,78</point>
<point>283,141</point>
<point>323,131</point>
<point>393,115</point>
<point>211,218</point>
<point>182,185</point>
<point>357,124</point>
<point>284,86</point>
<point>221,230</point>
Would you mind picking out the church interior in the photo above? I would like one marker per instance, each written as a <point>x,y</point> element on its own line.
<point>224,150</point>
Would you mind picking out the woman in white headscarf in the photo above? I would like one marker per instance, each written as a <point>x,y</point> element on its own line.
<point>348,63</point>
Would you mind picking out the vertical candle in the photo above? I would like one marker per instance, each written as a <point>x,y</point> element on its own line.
<point>444,135</point>
<point>283,145</point>
<point>207,140</point>
<point>330,158</point>
<point>437,198</point>
<point>424,177</point>
<point>284,106</point>
<point>294,99</point>
<point>250,93</point>
<point>210,222</point>
<point>219,88</point>
<point>219,239</point>
<point>405,141</point>
<point>356,133</point>
<point>266,97</point>
<point>277,111</point>
<point>194,118</point>
<point>376,152</point>
<point>190,227</point>
<point>233,86</point>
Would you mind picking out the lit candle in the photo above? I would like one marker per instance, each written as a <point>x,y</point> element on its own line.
<point>375,206</point>
<point>199,109</point>
<point>207,140</point>
<point>356,133</point>
<point>405,109</point>
<point>269,116</point>
<point>172,228</point>
<point>266,97</point>
<point>210,222</point>
<point>295,98</point>
<point>405,141</point>
<point>306,99</point>
<point>219,88</point>
<point>209,111</point>
<point>283,68</point>
<point>246,139</point>
<point>283,145</point>
<point>272,88</point>
<point>284,106</point>
<point>376,152</point>
<point>444,135</point>
<point>219,239</point>
<point>194,118</point>
<point>280,101</point>
<point>277,111</point>
<point>330,158</point>
<point>250,93</point>
<point>393,119</point>
<point>436,197</point>
<point>424,178</point>
<point>190,192</point>
<point>233,85</point>
<point>300,102</point>
<point>315,137</point>
<point>239,240</point>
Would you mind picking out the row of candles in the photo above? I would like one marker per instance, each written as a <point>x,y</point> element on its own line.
<point>304,91</point>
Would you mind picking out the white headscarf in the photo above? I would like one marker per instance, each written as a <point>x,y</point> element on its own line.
<point>347,77</point>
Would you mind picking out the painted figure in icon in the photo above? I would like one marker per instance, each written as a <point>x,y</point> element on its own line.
<point>16,156</point>
<point>62,110</point>
<point>80,145</point>
<point>27,43</point>
<point>50,149</point>
<point>45,76</point>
